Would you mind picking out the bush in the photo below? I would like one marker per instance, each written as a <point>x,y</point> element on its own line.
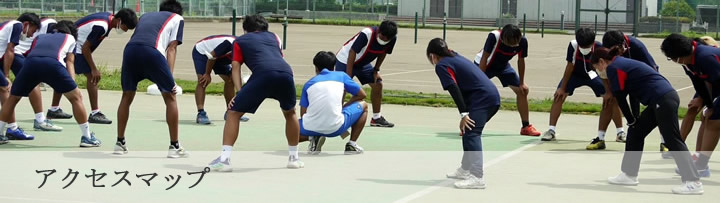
<point>678,8</point>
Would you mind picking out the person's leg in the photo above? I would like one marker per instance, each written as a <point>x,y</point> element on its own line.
<point>78,108</point>
<point>228,89</point>
<point>605,116</point>
<point>472,146</point>
<point>666,116</point>
<point>709,138</point>
<point>8,106</point>
<point>171,115</point>
<point>688,122</point>
<point>200,95</point>
<point>700,135</point>
<point>92,89</point>
<point>636,141</point>
<point>358,126</point>
<point>292,127</point>
<point>509,78</point>
<point>123,113</point>
<point>522,104</point>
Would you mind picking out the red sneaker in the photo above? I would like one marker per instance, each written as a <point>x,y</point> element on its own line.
<point>530,131</point>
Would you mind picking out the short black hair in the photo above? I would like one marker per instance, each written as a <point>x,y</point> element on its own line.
<point>511,34</point>
<point>128,17</point>
<point>613,38</point>
<point>388,29</point>
<point>67,27</point>
<point>585,37</point>
<point>171,6</point>
<point>253,23</point>
<point>32,18</point>
<point>676,45</point>
<point>438,47</point>
<point>324,60</point>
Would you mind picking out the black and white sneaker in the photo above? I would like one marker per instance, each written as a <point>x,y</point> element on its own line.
<point>58,114</point>
<point>99,118</point>
<point>352,150</point>
<point>381,122</point>
<point>316,143</point>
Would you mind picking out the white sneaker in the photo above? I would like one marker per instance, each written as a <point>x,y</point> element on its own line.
<point>471,182</point>
<point>460,173</point>
<point>295,163</point>
<point>621,137</point>
<point>220,166</point>
<point>179,152</point>
<point>120,148</point>
<point>623,179</point>
<point>689,188</point>
<point>548,136</point>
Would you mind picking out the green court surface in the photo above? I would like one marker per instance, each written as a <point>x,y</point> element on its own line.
<point>402,164</point>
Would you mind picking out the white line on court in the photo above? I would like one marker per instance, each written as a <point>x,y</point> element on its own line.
<point>445,183</point>
<point>684,88</point>
<point>43,200</point>
<point>406,72</point>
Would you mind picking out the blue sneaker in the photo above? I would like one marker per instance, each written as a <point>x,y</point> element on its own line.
<point>202,118</point>
<point>89,142</point>
<point>18,134</point>
<point>702,173</point>
<point>242,119</point>
<point>3,139</point>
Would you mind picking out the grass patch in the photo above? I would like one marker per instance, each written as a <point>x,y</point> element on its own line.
<point>690,34</point>
<point>111,81</point>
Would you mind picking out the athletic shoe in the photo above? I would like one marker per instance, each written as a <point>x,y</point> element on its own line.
<point>530,131</point>
<point>471,182</point>
<point>59,114</point>
<point>702,173</point>
<point>352,150</point>
<point>89,142</point>
<point>689,188</point>
<point>548,136</point>
<point>665,152</point>
<point>120,148</point>
<point>623,179</point>
<point>220,166</point>
<point>202,118</point>
<point>99,118</point>
<point>47,125</point>
<point>18,134</point>
<point>295,163</point>
<point>460,173</point>
<point>596,144</point>
<point>381,122</point>
<point>3,139</point>
<point>178,152</point>
<point>316,143</point>
<point>621,137</point>
<point>242,119</point>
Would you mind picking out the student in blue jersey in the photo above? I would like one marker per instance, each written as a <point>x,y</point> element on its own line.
<point>357,54</point>
<point>644,85</point>
<point>702,65</point>
<point>272,78</point>
<point>213,54</point>
<point>50,60</point>
<point>477,100</point>
<point>494,60</point>
<point>633,48</point>
<point>579,72</point>
<point>92,30</point>
<point>322,111</point>
<point>150,54</point>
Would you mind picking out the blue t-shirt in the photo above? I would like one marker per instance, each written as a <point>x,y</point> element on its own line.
<point>477,90</point>
<point>637,79</point>
<point>261,51</point>
<point>581,62</point>
<point>638,51</point>
<point>93,29</point>
<point>502,54</point>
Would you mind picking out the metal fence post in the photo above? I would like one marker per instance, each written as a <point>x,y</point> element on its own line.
<point>542,26</point>
<point>562,20</point>
<point>444,25</point>
<point>416,26</point>
<point>524,23</point>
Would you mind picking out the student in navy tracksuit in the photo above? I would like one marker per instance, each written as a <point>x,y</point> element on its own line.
<point>500,47</point>
<point>50,60</point>
<point>272,77</point>
<point>579,72</point>
<point>92,30</point>
<point>632,48</point>
<point>702,65</point>
<point>476,98</point>
<point>150,54</point>
<point>644,85</point>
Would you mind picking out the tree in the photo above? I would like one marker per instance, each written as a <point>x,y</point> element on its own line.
<point>678,8</point>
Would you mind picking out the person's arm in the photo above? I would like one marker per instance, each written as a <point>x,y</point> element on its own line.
<point>70,63</point>
<point>625,108</point>
<point>356,97</point>
<point>93,38</point>
<point>237,60</point>
<point>171,53</point>
<point>350,86</point>
<point>569,68</point>
<point>206,78</point>
<point>8,59</point>
<point>379,61</point>
<point>457,96</point>
<point>484,60</point>
<point>702,91</point>
<point>350,63</point>
<point>521,69</point>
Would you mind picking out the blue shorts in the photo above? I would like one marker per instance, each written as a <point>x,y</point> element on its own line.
<point>222,65</point>
<point>81,65</point>
<point>15,68</point>
<point>42,69</point>
<point>352,114</point>
<point>366,74</point>
<point>262,85</point>
<point>145,62</point>
<point>574,82</point>
<point>716,110</point>
<point>507,76</point>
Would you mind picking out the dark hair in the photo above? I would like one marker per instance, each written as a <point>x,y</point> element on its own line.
<point>676,45</point>
<point>128,17</point>
<point>254,23</point>
<point>324,60</point>
<point>171,6</point>
<point>438,47</point>
<point>585,36</point>
<point>388,29</point>
<point>32,18</point>
<point>67,27</point>
<point>613,38</point>
<point>604,53</point>
<point>699,41</point>
<point>511,34</point>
